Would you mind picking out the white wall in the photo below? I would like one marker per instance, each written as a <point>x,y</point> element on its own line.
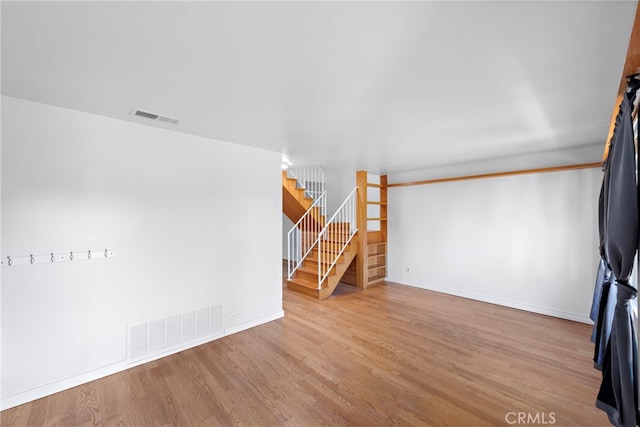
<point>339,183</point>
<point>528,241</point>
<point>187,232</point>
<point>287,224</point>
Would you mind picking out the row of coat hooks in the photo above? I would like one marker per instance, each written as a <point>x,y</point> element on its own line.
<point>54,257</point>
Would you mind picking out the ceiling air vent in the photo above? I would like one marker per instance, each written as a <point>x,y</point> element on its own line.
<point>154,116</point>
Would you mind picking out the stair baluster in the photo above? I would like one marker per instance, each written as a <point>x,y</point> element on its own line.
<point>311,178</point>
<point>336,235</point>
<point>304,234</point>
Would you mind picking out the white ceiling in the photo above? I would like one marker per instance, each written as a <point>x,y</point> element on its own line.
<point>385,86</point>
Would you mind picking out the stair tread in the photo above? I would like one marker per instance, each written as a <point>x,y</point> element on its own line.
<point>310,287</point>
<point>336,242</point>
<point>315,261</point>
<point>308,269</point>
<point>329,248</point>
<point>312,270</point>
<point>300,189</point>
<point>328,253</point>
<point>303,282</point>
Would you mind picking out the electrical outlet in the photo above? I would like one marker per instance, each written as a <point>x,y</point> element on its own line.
<point>232,315</point>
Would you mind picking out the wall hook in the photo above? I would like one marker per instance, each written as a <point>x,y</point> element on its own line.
<point>89,254</point>
<point>71,256</point>
<point>9,261</point>
<point>52,258</point>
<point>31,260</point>
<point>105,253</point>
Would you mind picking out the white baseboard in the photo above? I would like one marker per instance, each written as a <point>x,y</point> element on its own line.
<point>253,323</point>
<point>549,311</point>
<point>57,386</point>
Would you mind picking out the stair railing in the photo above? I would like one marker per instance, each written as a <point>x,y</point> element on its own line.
<point>303,236</point>
<point>336,235</point>
<point>311,178</point>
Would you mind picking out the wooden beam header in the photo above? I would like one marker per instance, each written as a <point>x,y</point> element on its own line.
<point>499,174</point>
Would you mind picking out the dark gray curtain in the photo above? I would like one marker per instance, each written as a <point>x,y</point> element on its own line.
<point>602,310</point>
<point>618,391</point>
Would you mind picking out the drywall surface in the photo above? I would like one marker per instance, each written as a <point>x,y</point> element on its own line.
<point>287,224</point>
<point>187,231</point>
<point>528,241</point>
<point>339,184</point>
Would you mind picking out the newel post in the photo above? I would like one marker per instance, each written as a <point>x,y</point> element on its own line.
<point>361,221</point>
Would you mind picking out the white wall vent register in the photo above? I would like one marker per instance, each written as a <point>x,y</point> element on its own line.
<point>154,116</point>
<point>153,337</point>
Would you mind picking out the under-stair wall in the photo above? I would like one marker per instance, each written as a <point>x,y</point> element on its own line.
<point>294,200</point>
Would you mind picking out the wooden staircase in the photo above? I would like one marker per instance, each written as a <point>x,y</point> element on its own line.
<point>296,201</point>
<point>306,276</point>
<point>361,257</point>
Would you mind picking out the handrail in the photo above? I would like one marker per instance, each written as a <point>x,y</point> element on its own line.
<point>311,178</point>
<point>304,234</point>
<point>336,235</point>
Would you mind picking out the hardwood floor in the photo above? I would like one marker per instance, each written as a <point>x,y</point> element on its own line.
<point>392,355</point>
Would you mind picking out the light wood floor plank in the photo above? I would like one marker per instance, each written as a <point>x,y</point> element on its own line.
<point>391,355</point>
